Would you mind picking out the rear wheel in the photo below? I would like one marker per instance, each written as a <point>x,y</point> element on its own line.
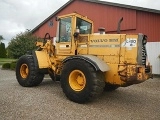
<point>26,72</point>
<point>80,81</point>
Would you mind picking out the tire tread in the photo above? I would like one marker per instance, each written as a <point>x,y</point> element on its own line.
<point>34,78</point>
<point>95,89</point>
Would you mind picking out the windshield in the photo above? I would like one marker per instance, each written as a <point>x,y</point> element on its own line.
<point>84,26</point>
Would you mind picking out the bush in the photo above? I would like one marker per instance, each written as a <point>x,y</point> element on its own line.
<point>13,65</point>
<point>6,66</point>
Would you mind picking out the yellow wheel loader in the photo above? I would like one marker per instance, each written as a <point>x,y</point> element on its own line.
<point>86,63</point>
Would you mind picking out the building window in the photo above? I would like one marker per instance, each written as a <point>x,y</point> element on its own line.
<point>50,23</point>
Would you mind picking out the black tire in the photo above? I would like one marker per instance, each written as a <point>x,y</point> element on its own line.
<point>26,72</point>
<point>109,87</point>
<point>94,81</point>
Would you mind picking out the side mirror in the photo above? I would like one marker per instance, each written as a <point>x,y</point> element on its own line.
<point>75,34</point>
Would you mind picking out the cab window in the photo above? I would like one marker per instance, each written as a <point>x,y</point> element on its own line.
<point>84,26</point>
<point>65,30</point>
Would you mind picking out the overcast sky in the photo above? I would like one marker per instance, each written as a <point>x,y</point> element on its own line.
<point>18,15</point>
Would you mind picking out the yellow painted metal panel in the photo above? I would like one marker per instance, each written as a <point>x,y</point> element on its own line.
<point>112,75</point>
<point>104,44</point>
<point>42,58</point>
<point>131,49</point>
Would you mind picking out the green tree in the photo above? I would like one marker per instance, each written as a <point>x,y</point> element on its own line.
<point>1,38</point>
<point>2,50</point>
<point>22,43</point>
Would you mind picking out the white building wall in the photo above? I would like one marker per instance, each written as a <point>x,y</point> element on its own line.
<point>153,50</point>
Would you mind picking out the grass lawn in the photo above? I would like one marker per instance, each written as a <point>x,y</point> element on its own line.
<point>6,60</point>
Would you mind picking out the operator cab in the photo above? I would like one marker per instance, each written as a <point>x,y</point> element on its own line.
<point>69,26</point>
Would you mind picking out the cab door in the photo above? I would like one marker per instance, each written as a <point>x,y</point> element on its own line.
<point>65,37</point>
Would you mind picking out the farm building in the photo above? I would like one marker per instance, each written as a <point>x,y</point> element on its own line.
<point>107,15</point>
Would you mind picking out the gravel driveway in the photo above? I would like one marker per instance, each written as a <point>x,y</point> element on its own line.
<point>47,102</point>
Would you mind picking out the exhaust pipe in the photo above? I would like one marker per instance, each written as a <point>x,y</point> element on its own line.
<point>119,26</point>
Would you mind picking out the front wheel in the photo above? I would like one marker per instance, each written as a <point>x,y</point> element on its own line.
<point>80,81</point>
<point>26,72</point>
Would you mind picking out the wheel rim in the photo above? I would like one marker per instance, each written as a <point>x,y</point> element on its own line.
<point>77,80</point>
<point>24,70</point>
